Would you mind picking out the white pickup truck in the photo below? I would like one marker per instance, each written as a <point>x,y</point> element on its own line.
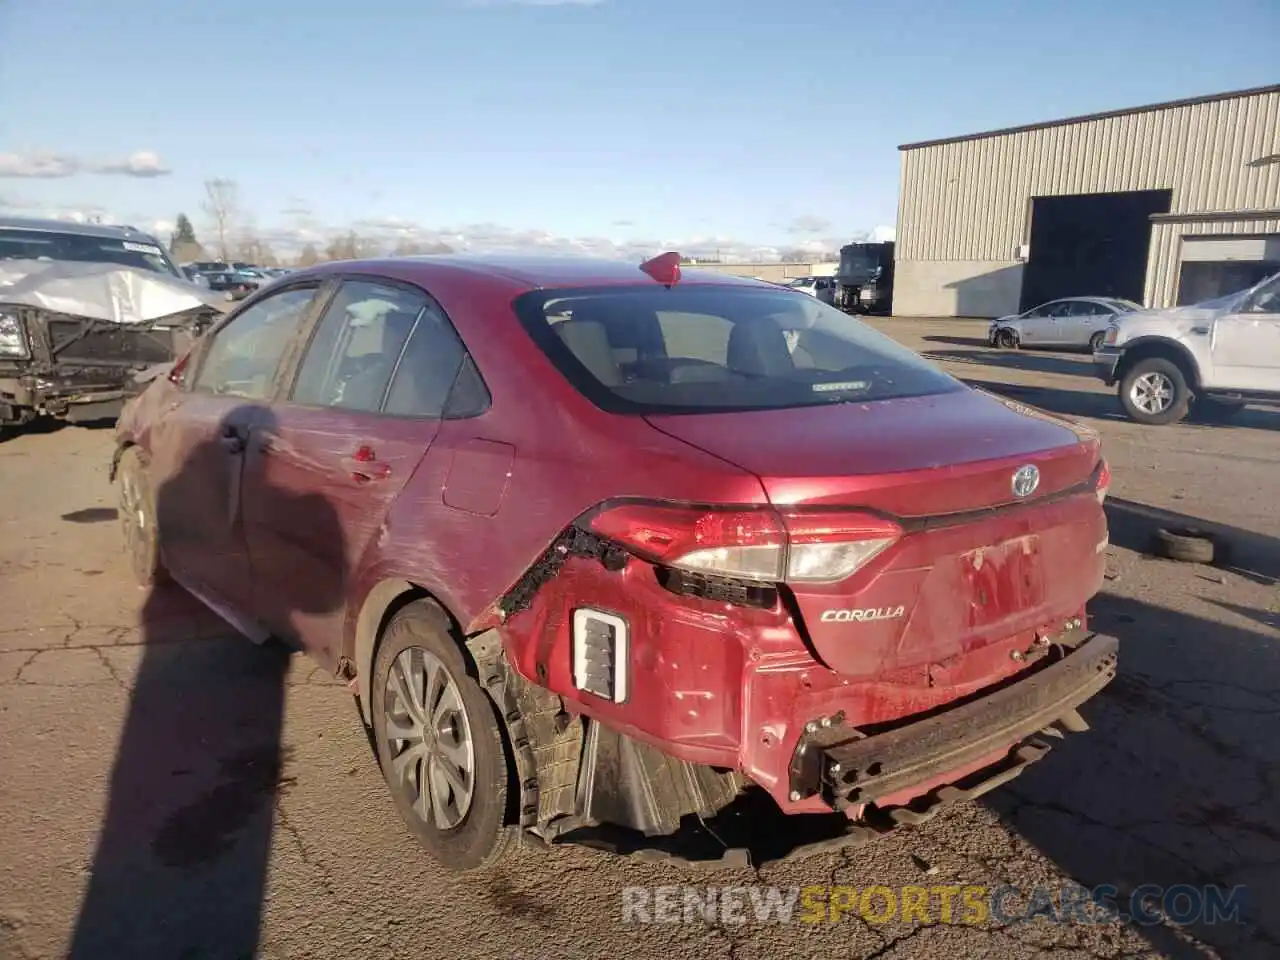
<point>1217,355</point>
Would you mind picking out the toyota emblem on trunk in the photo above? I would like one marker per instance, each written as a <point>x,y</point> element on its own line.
<point>1025,480</point>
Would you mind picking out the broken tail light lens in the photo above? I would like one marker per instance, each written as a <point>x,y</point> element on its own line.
<point>832,545</point>
<point>750,543</point>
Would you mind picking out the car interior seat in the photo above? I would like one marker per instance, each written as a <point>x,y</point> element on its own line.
<point>758,348</point>
<point>588,340</point>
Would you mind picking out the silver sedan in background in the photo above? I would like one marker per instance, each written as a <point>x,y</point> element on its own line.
<point>1070,322</point>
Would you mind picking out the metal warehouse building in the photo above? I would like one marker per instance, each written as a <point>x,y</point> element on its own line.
<point>1167,204</point>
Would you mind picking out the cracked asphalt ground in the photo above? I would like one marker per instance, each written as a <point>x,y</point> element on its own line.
<point>169,790</point>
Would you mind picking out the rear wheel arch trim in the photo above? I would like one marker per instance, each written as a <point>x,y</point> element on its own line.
<point>380,604</point>
<point>1147,347</point>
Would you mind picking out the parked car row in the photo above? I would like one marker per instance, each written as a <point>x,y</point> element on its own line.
<point>235,279</point>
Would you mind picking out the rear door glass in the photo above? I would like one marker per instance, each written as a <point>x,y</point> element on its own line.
<point>354,350</point>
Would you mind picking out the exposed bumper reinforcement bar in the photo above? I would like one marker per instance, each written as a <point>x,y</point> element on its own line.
<point>861,769</point>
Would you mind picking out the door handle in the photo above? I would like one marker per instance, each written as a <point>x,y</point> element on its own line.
<point>364,466</point>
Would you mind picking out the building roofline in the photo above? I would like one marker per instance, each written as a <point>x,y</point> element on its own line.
<point>1105,115</point>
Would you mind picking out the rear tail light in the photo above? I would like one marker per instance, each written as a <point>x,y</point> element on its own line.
<point>1102,480</point>
<point>750,543</point>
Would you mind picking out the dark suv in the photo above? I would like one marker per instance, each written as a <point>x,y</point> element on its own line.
<point>83,307</point>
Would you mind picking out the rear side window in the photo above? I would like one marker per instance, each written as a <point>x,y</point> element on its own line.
<point>427,370</point>
<point>356,346</point>
<point>648,349</point>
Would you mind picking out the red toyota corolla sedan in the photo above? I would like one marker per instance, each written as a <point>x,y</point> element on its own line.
<point>602,543</point>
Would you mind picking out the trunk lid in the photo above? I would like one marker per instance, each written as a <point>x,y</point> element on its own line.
<point>977,569</point>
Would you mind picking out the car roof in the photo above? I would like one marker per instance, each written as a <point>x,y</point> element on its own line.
<point>108,230</point>
<point>532,272</point>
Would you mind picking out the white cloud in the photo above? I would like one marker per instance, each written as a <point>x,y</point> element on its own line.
<point>142,163</point>
<point>48,165</point>
<point>38,165</point>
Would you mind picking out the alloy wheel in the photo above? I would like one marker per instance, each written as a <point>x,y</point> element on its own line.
<point>1152,393</point>
<point>428,735</point>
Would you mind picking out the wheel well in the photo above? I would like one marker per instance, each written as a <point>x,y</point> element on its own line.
<point>1174,353</point>
<point>382,603</point>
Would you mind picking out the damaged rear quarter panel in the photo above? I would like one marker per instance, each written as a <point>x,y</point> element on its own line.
<point>566,456</point>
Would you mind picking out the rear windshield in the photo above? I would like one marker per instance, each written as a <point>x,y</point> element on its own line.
<point>697,349</point>
<point>16,244</point>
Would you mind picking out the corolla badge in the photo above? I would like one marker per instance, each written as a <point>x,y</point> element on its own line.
<point>1025,480</point>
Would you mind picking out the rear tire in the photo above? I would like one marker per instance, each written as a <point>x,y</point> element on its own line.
<point>423,685</point>
<point>1154,392</point>
<point>1095,342</point>
<point>137,512</point>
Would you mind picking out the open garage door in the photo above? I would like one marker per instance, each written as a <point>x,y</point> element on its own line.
<point>1218,265</point>
<point>1092,244</point>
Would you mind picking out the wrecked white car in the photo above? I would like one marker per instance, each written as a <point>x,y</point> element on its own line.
<point>1210,358</point>
<point>74,334</point>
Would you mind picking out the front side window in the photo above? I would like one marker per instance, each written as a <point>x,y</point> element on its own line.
<point>1265,299</point>
<point>716,348</point>
<point>19,244</point>
<point>357,345</point>
<point>244,355</point>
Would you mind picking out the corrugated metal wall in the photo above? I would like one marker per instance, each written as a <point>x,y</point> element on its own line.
<point>1164,261</point>
<point>970,200</point>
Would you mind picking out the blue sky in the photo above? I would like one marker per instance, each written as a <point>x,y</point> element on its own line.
<point>742,123</point>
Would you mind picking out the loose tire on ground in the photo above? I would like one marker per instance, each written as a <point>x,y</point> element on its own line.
<point>137,512</point>
<point>1187,545</point>
<point>483,835</point>
<point>1148,379</point>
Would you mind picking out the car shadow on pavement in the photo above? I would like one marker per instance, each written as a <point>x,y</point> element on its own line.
<point>1106,406</point>
<point>1068,403</point>
<point>1017,360</point>
<point>181,865</point>
<point>1176,783</point>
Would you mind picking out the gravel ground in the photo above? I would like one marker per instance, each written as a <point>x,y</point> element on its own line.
<point>171,791</point>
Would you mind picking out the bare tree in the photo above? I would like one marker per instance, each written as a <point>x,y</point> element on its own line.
<point>350,246</point>
<point>406,248</point>
<point>253,249</point>
<point>222,205</point>
<point>308,255</point>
